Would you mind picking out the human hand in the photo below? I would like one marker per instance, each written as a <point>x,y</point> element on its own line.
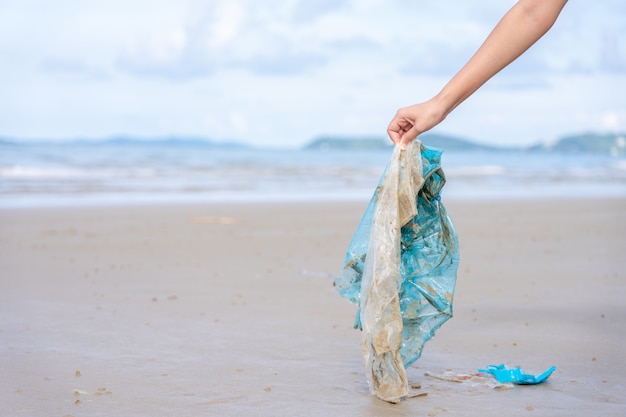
<point>409,122</point>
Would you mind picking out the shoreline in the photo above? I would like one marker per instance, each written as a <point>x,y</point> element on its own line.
<point>181,201</point>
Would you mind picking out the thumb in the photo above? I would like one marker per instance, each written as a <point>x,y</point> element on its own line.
<point>408,137</point>
<point>395,137</point>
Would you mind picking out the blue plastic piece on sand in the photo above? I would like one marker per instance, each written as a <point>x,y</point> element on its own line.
<point>516,375</point>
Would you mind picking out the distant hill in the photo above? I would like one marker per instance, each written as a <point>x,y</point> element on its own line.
<point>171,141</point>
<point>131,141</point>
<point>6,142</point>
<point>451,143</point>
<point>334,143</point>
<point>613,144</point>
<point>454,143</point>
<point>607,144</point>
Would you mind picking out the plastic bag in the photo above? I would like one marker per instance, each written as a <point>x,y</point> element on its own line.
<point>516,375</point>
<point>400,268</point>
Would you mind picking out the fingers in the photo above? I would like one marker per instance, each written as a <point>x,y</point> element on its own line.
<point>398,128</point>
<point>402,132</point>
<point>402,129</point>
<point>411,121</point>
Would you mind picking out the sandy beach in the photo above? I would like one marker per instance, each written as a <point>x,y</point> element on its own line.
<point>229,310</point>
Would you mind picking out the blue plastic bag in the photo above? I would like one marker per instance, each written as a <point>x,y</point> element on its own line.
<point>400,268</point>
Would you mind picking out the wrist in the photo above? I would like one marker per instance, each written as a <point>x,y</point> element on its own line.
<point>443,105</point>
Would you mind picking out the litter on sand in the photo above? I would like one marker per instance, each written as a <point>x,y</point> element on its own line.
<point>474,380</point>
<point>495,376</point>
<point>400,268</point>
<point>516,375</point>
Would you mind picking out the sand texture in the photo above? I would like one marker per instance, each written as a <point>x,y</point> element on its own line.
<point>229,310</point>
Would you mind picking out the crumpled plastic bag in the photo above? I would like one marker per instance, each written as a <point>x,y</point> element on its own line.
<point>400,268</point>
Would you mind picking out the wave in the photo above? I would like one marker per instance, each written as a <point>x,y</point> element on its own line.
<point>475,171</point>
<point>619,165</point>
<point>56,173</point>
<point>44,173</point>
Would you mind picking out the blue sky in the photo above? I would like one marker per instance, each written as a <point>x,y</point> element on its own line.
<point>280,72</point>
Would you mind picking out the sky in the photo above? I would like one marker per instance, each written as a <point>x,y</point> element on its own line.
<point>282,72</point>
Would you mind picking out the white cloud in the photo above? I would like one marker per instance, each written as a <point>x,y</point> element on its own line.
<point>239,122</point>
<point>610,121</point>
<point>229,16</point>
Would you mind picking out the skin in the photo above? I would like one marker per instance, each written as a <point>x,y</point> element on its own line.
<point>525,23</point>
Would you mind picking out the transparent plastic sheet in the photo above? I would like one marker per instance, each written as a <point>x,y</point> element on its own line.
<point>400,268</point>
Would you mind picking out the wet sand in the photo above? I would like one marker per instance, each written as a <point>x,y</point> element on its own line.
<point>229,310</point>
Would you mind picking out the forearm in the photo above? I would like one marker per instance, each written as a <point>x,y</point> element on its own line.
<point>520,28</point>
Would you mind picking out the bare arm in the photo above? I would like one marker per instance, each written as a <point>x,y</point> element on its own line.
<point>518,30</point>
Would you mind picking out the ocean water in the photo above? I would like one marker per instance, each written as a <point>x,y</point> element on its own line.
<point>86,173</point>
